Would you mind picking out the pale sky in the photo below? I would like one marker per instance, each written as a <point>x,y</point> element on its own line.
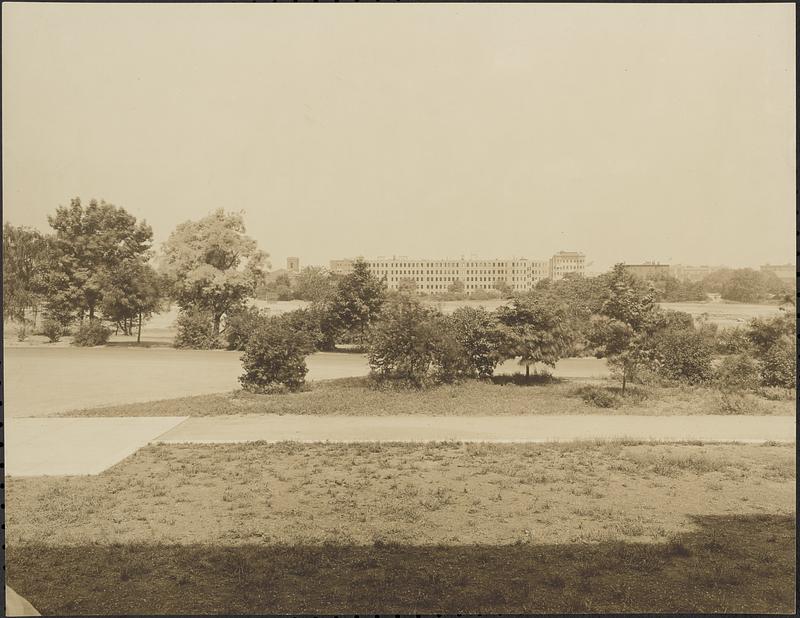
<point>628,132</point>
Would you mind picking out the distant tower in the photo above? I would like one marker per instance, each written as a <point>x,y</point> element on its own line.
<point>293,264</point>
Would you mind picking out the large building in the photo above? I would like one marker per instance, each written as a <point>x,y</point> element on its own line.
<point>437,276</point>
<point>648,270</point>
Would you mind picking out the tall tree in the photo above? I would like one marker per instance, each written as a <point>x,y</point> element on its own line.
<point>534,331</point>
<point>134,294</point>
<point>25,256</point>
<point>359,298</point>
<point>89,244</point>
<point>212,264</point>
<point>627,317</point>
<point>314,284</point>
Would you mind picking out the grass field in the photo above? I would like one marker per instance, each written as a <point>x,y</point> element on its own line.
<point>354,396</point>
<point>614,526</point>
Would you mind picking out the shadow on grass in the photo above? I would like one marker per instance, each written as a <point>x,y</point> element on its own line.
<point>730,564</point>
<point>142,344</point>
<point>519,379</point>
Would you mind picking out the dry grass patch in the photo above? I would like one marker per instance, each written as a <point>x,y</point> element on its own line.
<point>398,528</point>
<point>357,397</point>
<point>447,493</point>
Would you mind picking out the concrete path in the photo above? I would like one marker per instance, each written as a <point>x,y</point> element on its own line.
<point>92,377</point>
<point>275,428</point>
<point>63,446</point>
<point>17,605</point>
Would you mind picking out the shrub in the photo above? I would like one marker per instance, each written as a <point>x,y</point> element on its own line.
<point>476,331</point>
<point>196,330</point>
<point>240,324</point>
<point>763,333</point>
<point>599,397</point>
<point>683,355</point>
<point>91,333</point>
<point>776,393</point>
<point>307,326</point>
<point>779,364</point>
<point>274,359</point>
<point>52,329</point>
<point>738,372</point>
<point>736,403</point>
<point>413,344</point>
<point>732,341</point>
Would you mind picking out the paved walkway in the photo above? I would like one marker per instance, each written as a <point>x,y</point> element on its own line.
<point>71,446</point>
<point>17,605</point>
<point>538,428</point>
<point>50,446</point>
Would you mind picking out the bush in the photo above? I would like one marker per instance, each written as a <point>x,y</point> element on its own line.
<point>307,326</point>
<point>763,333</point>
<point>240,324</point>
<point>274,359</point>
<point>477,333</point>
<point>683,355</point>
<point>91,333</point>
<point>738,372</point>
<point>52,329</point>
<point>736,403</point>
<point>776,393</point>
<point>414,345</point>
<point>599,397</point>
<point>732,341</point>
<point>196,331</point>
<point>779,365</point>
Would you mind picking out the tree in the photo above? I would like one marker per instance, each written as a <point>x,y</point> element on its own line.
<point>407,285</point>
<point>314,284</point>
<point>281,286</point>
<point>778,366</point>
<point>408,344</point>
<point>213,265</point>
<point>457,287</point>
<point>90,244</point>
<point>763,333</point>
<point>681,354</point>
<point>501,286</point>
<point>134,293</point>
<point>358,300</point>
<point>25,262</point>
<point>620,333</point>
<point>745,286</point>
<point>476,331</point>
<point>534,331</point>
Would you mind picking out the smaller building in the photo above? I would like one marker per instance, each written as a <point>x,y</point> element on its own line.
<point>648,271</point>
<point>293,264</point>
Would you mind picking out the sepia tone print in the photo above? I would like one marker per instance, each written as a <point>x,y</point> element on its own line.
<point>405,309</point>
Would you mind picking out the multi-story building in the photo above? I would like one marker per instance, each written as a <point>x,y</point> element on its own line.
<point>437,276</point>
<point>648,270</point>
<point>692,273</point>
<point>784,272</point>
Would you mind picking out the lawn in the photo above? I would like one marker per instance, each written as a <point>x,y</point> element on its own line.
<point>257,528</point>
<point>355,396</point>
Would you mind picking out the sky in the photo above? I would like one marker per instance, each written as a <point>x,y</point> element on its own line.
<point>628,132</point>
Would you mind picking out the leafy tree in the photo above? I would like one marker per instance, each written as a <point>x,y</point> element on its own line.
<point>90,243</point>
<point>281,287</point>
<point>407,285</point>
<point>673,290</point>
<point>738,372</point>
<point>358,300</point>
<point>195,330</point>
<point>501,286</point>
<point>403,343</point>
<point>274,358</point>
<point>456,287</point>
<point>314,284</point>
<point>213,265</point>
<point>621,331</point>
<point>763,333</point>
<point>134,293</point>
<point>25,262</point>
<point>534,331</point>
<point>240,323</point>
<point>745,286</point>
<point>778,366</point>
<point>476,331</point>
